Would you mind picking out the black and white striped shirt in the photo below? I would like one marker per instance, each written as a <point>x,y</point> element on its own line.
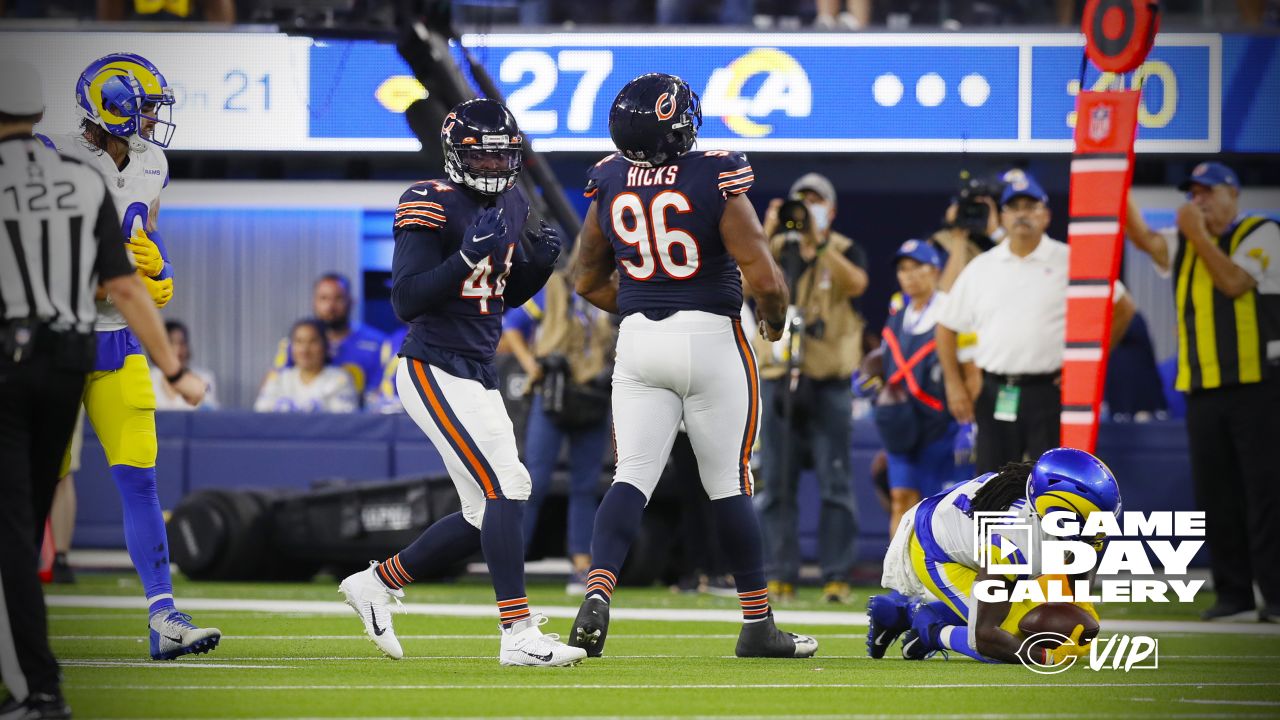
<point>59,236</point>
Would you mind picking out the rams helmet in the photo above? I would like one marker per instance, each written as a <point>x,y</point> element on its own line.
<point>120,91</point>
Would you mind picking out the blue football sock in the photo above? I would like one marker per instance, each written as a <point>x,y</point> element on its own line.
<point>144,533</point>
<point>956,637</point>
<point>439,548</point>
<point>740,542</point>
<point>502,539</point>
<point>617,524</point>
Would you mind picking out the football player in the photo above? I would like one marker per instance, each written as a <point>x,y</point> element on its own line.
<point>459,261</point>
<point>666,233</point>
<point>127,106</point>
<point>934,553</point>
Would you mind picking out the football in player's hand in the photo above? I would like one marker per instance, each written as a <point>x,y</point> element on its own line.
<point>1061,618</point>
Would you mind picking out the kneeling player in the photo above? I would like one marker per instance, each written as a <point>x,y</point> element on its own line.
<point>934,553</point>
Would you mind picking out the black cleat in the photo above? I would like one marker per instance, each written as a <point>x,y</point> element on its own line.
<point>37,706</point>
<point>763,639</point>
<point>591,627</point>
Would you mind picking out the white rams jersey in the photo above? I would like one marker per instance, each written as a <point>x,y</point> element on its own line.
<point>954,526</point>
<point>135,190</point>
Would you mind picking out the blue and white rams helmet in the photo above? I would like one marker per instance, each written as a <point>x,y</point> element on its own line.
<point>1074,481</point>
<point>120,91</point>
<point>655,119</point>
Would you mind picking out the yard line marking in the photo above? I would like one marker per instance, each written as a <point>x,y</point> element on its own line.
<point>1264,703</point>
<point>194,665</point>
<point>690,686</point>
<point>301,608</point>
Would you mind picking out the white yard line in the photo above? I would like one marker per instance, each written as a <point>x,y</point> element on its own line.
<point>163,665</point>
<point>484,610</point>
<point>676,686</point>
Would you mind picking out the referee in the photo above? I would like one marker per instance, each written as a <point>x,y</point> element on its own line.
<point>1225,266</point>
<point>59,238</point>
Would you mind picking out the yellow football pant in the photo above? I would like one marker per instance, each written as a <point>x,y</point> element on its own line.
<point>121,405</point>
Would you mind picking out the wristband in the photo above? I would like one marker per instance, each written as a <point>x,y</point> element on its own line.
<point>174,378</point>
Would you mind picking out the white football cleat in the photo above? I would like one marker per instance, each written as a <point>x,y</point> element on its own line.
<point>371,600</point>
<point>173,635</point>
<point>524,644</point>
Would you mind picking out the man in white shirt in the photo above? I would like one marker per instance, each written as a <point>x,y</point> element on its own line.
<point>1226,282</point>
<point>1014,297</point>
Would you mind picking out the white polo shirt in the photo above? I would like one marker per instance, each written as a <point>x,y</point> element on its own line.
<point>1016,306</point>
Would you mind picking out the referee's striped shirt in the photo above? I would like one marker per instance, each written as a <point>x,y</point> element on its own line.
<point>60,237</point>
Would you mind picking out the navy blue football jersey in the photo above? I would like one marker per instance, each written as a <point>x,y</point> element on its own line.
<point>454,310</point>
<point>664,226</point>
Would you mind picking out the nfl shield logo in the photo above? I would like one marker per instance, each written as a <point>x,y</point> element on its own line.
<point>120,182</point>
<point>1100,122</point>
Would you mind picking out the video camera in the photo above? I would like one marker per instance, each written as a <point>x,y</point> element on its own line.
<point>973,213</point>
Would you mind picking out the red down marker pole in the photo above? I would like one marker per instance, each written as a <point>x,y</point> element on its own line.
<point>1118,35</point>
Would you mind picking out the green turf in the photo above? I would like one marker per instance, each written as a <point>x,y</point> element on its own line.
<point>301,665</point>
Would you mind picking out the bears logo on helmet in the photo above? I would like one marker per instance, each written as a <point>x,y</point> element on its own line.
<point>655,119</point>
<point>126,95</point>
<point>483,146</point>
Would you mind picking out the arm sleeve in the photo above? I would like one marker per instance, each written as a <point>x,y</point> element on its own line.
<point>112,261</point>
<point>734,175</point>
<point>525,281</point>
<point>167,270</point>
<point>1259,255</point>
<point>420,278</point>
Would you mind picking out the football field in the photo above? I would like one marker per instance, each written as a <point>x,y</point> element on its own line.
<point>294,650</point>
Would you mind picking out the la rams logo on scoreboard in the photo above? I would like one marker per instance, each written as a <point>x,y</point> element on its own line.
<point>784,88</point>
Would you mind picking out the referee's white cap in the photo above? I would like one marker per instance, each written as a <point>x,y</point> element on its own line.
<point>21,91</point>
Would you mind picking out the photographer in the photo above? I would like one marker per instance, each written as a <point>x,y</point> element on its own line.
<point>806,394</point>
<point>971,226</point>
<point>566,346</point>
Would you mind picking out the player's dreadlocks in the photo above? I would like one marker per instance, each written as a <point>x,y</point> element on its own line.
<point>1009,484</point>
<point>95,134</point>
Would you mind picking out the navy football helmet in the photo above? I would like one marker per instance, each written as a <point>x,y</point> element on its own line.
<point>655,119</point>
<point>483,146</point>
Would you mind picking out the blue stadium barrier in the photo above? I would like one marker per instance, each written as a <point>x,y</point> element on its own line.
<point>233,449</point>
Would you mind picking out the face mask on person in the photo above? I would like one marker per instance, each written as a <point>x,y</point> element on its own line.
<point>820,214</point>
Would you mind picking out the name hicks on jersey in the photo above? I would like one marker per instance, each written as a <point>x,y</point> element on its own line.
<point>648,177</point>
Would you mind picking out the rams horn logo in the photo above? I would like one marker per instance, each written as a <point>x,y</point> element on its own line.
<point>666,106</point>
<point>736,95</point>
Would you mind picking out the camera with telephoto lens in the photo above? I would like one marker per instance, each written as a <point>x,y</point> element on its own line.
<point>793,220</point>
<point>973,212</point>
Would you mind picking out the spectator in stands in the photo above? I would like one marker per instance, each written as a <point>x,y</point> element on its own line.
<point>1014,298</point>
<point>1226,268</point>
<point>566,348</point>
<point>682,12</point>
<point>311,384</point>
<point>825,273</point>
<point>166,397</point>
<point>220,11</point>
<point>856,15</point>
<point>357,349</point>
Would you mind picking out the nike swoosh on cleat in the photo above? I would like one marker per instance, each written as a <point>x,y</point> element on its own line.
<point>543,658</point>
<point>482,238</point>
<point>880,639</point>
<point>424,193</point>
<point>172,638</point>
<point>374,619</point>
